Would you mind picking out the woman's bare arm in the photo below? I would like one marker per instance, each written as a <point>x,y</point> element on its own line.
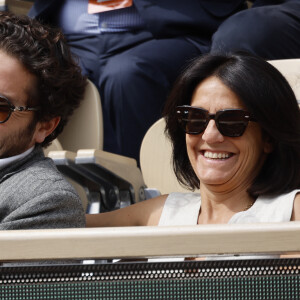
<point>145,213</point>
<point>296,209</point>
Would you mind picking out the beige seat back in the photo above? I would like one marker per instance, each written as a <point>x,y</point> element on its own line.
<point>290,68</point>
<point>84,130</point>
<point>85,127</point>
<point>18,7</point>
<point>155,154</point>
<point>156,160</point>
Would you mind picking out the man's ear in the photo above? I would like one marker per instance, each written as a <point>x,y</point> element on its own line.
<point>45,128</point>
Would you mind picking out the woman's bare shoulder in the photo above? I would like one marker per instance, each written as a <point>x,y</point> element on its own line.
<point>153,209</point>
<point>144,213</point>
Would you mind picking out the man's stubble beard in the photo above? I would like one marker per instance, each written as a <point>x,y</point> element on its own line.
<point>19,142</point>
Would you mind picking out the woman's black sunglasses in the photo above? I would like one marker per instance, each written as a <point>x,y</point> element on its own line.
<point>230,122</point>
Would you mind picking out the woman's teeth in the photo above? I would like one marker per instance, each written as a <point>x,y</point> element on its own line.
<point>215,155</point>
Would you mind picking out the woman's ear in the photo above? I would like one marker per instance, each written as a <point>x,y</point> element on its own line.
<point>45,128</point>
<point>268,144</point>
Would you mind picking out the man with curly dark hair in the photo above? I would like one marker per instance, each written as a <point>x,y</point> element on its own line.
<point>40,86</point>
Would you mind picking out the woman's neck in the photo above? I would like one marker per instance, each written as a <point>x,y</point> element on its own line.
<point>220,206</point>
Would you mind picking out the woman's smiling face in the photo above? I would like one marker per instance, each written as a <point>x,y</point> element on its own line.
<point>218,160</point>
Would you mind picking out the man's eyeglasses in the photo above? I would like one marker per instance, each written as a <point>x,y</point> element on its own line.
<point>6,109</point>
<point>230,122</point>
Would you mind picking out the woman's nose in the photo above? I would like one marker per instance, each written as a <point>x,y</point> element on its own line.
<point>211,134</point>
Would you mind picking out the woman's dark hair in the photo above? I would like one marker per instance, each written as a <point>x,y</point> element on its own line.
<point>267,96</point>
<point>43,51</point>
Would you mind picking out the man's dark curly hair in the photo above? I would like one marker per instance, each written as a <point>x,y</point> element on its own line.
<point>43,51</point>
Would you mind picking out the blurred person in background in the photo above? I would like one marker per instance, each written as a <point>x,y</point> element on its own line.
<point>133,51</point>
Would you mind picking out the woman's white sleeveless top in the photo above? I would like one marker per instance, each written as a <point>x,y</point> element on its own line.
<point>183,209</point>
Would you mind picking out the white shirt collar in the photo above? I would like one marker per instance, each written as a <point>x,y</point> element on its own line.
<point>4,162</point>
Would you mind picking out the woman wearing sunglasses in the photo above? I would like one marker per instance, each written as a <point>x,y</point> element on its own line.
<point>234,124</point>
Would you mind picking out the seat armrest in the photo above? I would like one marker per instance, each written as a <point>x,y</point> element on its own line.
<point>123,170</point>
<point>91,193</point>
